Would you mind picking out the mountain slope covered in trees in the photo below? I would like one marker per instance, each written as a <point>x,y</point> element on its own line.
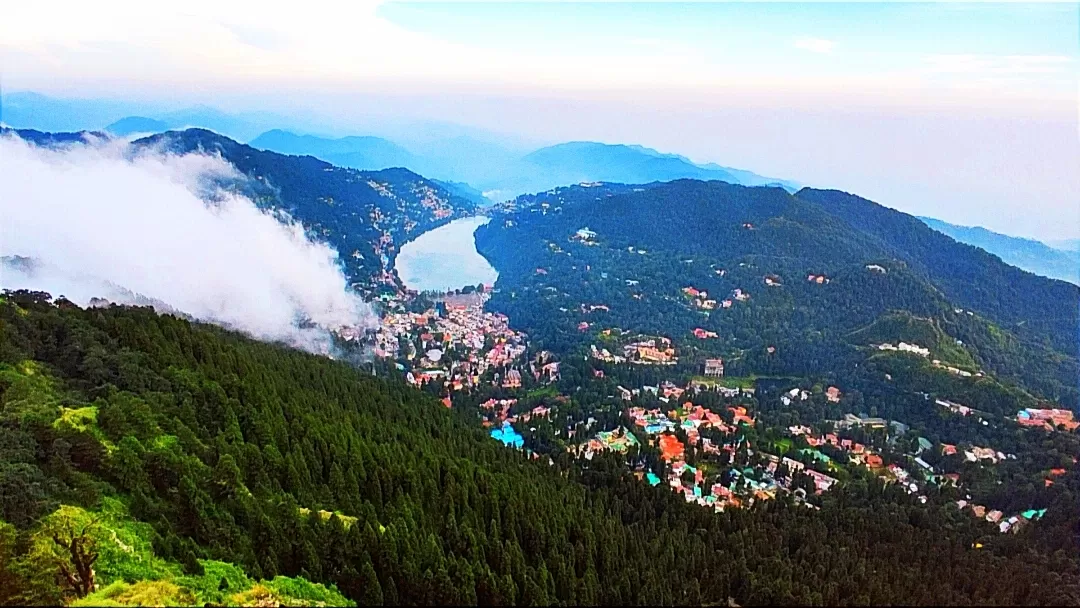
<point>718,238</point>
<point>230,451</point>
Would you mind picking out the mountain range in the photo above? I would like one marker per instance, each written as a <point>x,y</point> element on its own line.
<point>1029,254</point>
<point>498,166</point>
<point>541,169</point>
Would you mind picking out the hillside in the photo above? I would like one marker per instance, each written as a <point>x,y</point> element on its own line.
<point>1034,307</point>
<point>206,462</point>
<point>45,139</point>
<point>1027,254</point>
<point>365,215</point>
<point>719,238</point>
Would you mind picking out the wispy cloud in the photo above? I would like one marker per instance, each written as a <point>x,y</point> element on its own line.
<point>815,45</point>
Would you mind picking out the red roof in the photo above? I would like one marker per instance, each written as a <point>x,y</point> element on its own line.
<point>670,447</point>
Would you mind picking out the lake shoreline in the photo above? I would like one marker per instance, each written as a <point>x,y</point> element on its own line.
<point>445,258</point>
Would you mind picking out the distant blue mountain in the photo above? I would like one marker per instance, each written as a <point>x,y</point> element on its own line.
<point>365,153</point>
<point>132,125</point>
<point>1027,254</point>
<point>50,114</point>
<point>585,161</point>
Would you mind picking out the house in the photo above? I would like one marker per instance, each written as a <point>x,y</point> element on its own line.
<point>702,334</point>
<point>876,268</point>
<point>833,394</point>
<point>822,482</point>
<point>671,449</point>
<point>585,234</point>
<point>772,280</point>
<point>948,449</point>
<point>874,461</point>
<point>513,379</point>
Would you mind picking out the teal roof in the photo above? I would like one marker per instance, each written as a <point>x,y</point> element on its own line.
<point>924,443</point>
<point>816,454</point>
<point>653,479</point>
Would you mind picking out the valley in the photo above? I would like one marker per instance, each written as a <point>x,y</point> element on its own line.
<point>565,391</point>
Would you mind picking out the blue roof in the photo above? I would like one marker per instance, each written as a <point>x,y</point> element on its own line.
<point>508,436</point>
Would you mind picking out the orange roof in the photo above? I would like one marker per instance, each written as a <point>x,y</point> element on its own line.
<point>874,461</point>
<point>670,447</point>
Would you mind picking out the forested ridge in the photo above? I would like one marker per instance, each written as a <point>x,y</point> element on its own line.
<point>717,238</point>
<point>227,449</point>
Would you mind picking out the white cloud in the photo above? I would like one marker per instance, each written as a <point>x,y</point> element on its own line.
<point>100,214</point>
<point>815,45</point>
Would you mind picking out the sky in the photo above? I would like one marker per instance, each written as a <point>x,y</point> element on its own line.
<point>961,111</point>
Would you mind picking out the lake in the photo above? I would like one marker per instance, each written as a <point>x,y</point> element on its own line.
<point>445,258</point>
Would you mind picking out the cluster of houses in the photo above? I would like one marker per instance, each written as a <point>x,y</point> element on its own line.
<point>619,440</point>
<point>455,343</point>
<point>956,371</point>
<point>1049,419</point>
<point>904,347</point>
<point>700,299</point>
<point>1004,524</point>
<point>650,352</point>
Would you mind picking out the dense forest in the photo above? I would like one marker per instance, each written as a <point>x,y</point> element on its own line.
<point>238,461</point>
<point>816,271</point>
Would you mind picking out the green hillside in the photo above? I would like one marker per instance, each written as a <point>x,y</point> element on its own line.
<point>203,460</point>
<point>719,238</point>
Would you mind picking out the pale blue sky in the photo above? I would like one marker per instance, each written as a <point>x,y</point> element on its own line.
<point>967,112</point>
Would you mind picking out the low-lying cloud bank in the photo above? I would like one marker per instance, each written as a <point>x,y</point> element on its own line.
<point>105,220</point>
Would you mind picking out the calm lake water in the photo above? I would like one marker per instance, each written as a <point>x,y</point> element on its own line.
<point>445,258</point>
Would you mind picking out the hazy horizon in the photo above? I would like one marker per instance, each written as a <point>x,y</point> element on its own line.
<point>965,113</point>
